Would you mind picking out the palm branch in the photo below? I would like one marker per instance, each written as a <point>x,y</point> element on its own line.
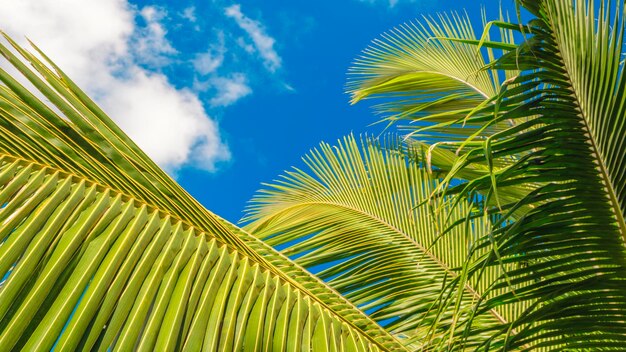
<point>359,213</point>
<point>102,250</point>
<point>429,71</point>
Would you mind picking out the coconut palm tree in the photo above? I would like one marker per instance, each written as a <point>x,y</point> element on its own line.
<point>497,223</point>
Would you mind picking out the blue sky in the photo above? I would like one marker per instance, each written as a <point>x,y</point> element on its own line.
<point>224,95</point>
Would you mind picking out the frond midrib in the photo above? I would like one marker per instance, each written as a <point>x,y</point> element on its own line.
<point>601,166</point>
<point>393,228</point>
<point>300,286</point>
<point>467,83</point>
<point>453,77</point>
<point>204,233</point>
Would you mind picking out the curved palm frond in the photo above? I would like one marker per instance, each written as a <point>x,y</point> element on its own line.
<point>102,250</point>
<point>425,77</point>
<point>358,215</point>
<point>447,103</point>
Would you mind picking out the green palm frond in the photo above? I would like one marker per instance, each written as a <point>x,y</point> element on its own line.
<point>424,77</point>
<point>102,250</point>
<point>358,213</point>
<point>567,143</point>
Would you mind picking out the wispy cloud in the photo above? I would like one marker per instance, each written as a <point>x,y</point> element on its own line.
<point>263,43</point>
<point>189,13</point>
<point>149,43</point>
<point>229,89</point>
<point>115,52</point>
<point>209,61</point>
<point>228,69</point>
<point>225,87</point>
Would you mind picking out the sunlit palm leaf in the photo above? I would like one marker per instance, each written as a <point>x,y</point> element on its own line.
<point>102,250</point>
<point>423,77</point>
<point>358,214</point>
<point>445,76</point>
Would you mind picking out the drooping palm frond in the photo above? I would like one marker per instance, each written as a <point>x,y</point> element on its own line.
<point>444,82</point>
<point>424,77</point>
<point>102,250</point>
<point>569,108</point>
<point>358,213</point>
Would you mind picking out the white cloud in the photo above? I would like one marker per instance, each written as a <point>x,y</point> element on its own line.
<point>263,43</point>
<point>189,13</point>
<point>173,126</point>
<point>229,89</point>
<point>247,47</point>
<point>208,62</point>
<point>101,47</point>
<point>149,43</point>
<point>225,88</point>
<point>211,60</point>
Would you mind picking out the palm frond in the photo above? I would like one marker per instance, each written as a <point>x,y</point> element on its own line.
<point>358,214</point>
<point>102,250</point>
<point>426,72</point>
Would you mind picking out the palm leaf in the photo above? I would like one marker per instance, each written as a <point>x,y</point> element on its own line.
<point>357,213</point>
<point>447,90</point>
<point>427,72</point>
<point>102,250</point>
